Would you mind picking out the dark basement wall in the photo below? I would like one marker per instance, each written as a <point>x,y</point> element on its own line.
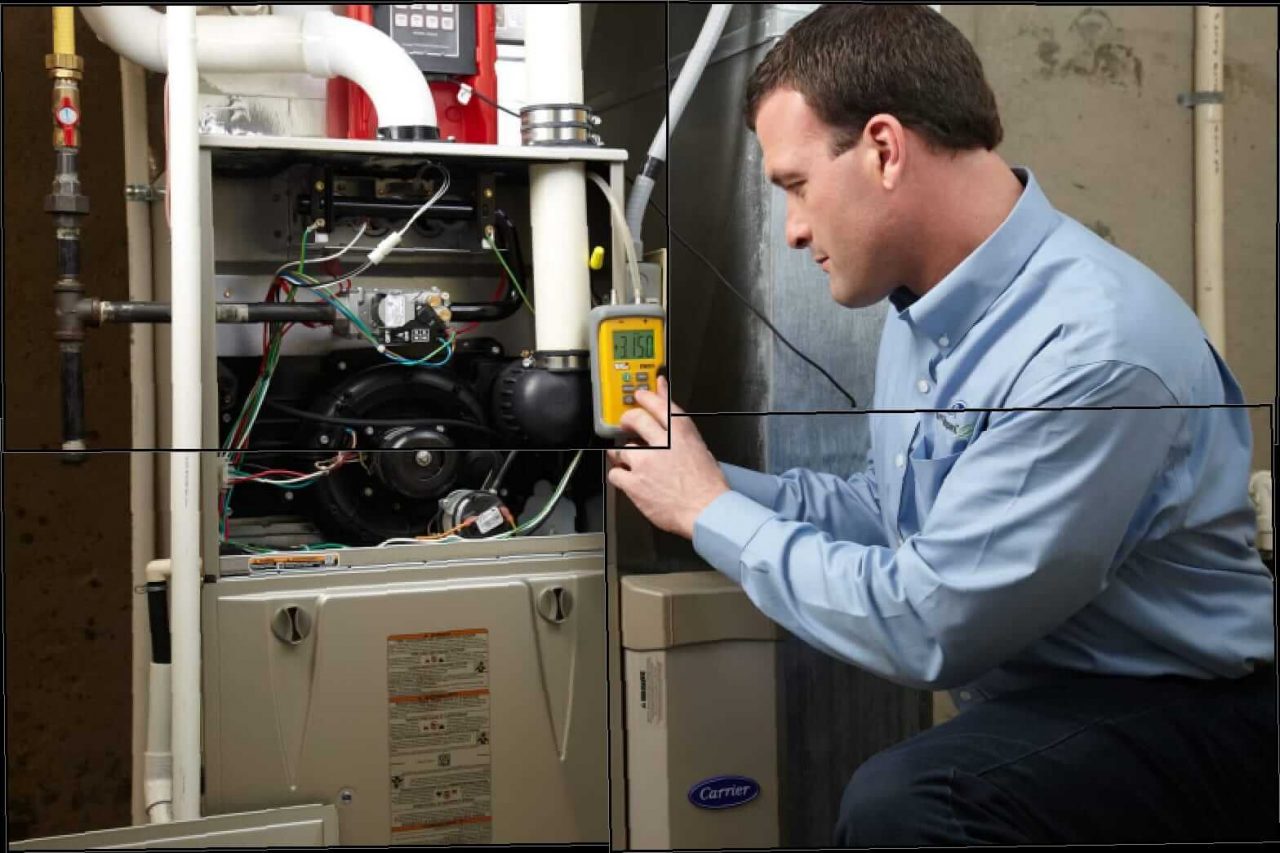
<point>66,528</point>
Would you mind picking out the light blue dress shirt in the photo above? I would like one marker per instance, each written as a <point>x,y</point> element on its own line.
<point>984,551</point>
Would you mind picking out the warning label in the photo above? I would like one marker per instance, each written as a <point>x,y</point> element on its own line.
<point>439,718</point>
<point>651,690</point>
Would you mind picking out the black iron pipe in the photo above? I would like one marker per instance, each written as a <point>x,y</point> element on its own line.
<point>68,206</point>
<point>72,375</point>
<point>224,312</point>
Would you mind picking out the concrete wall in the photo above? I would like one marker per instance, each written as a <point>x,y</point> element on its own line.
<point>1088,98</point>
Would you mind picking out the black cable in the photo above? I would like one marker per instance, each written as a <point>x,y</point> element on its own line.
<point>502,472</point>
<point>719,275</point>
<point>384,422</point>
<point>781,337</point>
<point>489,100</point>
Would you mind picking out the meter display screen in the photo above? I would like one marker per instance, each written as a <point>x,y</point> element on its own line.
<point>629,346</point>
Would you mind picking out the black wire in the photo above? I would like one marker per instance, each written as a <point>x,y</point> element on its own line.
<point>502,472</point>
<point>720,276</point>
<point>328,419</point>
<point>489,100</point>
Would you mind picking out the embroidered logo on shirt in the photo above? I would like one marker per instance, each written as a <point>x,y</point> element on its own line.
<point>957,420</point>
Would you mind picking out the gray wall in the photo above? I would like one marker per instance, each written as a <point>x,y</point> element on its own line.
<point>1088,98</point>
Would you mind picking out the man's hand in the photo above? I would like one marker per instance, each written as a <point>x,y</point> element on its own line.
<point>671,487</point>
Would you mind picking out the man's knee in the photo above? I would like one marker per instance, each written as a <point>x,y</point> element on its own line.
<point>898,799</point>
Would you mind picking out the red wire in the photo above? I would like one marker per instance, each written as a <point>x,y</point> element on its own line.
<point>259,475</point>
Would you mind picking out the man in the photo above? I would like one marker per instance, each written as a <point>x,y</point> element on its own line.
<point>1081,574</point>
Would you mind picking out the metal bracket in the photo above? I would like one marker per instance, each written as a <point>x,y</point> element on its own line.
<point>143,193</point>
<point>1196,99</point>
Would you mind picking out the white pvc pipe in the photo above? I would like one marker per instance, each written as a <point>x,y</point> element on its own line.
<point>157,785</point>
<point>157,765</point>
<point>690,73</point>
<point>1263,497</point>
<point>184,480</point>
<point>142,496</point>
<point>1209,182</point>
<point>557,193</point>
<point>553,53</point>
<point>319,43</point>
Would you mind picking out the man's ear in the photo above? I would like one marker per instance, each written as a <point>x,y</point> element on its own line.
<point>886,137</point>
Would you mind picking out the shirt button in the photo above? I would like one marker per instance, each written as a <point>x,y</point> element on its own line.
<point>899,460</point>
<point>944,341</point>
<point>923,386</point>
<point>965,695</point>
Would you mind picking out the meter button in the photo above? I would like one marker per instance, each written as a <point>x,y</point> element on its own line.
<point>626,377</point>
<point>644,387</point>
<point>642,377</point>
<point>447,23</point>
<point>415,20</point>
<point>402,20</point>
<point>628,400</point>
<point>627,389</point>
<point>433,22</point>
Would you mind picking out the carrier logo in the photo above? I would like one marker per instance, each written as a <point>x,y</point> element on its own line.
<point>724,792</point>
<point>957,420</point>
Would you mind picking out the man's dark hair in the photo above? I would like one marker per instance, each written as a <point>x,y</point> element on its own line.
<point>852,61</point>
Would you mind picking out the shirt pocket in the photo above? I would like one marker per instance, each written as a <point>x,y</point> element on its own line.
<point>926,477</point>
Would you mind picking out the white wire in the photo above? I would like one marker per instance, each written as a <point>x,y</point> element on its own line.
<point>444,187</point>
<point>541,517</point>
<point>620,222</point>
<point>347,248</point>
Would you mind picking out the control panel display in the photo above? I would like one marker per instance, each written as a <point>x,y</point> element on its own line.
<point>441,37</point>
<point>629,345</point>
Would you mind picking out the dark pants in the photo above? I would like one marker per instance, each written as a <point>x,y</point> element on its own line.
<point>1086,760</point>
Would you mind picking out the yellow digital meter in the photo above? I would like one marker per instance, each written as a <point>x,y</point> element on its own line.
<point>628,346</point>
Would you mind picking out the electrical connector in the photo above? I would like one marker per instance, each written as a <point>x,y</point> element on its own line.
<point>384,248</point>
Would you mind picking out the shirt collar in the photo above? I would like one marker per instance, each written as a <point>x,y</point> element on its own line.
<point>957,302</point>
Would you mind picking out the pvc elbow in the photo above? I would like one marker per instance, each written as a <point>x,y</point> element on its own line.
<point>335,46</point>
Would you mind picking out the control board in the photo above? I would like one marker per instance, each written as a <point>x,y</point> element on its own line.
<point>441,37</point>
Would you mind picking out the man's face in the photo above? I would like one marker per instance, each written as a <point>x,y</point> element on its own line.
<point>837,207</point>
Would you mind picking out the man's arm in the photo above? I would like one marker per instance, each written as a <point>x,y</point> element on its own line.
<point>846,509</point>
<point>1024,532</point>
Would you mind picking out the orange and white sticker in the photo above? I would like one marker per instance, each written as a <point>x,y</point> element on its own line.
<point>439,734</point>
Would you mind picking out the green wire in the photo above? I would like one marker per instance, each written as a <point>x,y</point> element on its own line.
<point>514,281</point>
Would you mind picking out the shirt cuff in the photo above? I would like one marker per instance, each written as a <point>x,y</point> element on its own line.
<point>761,488</point>
<point>725,528</point>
